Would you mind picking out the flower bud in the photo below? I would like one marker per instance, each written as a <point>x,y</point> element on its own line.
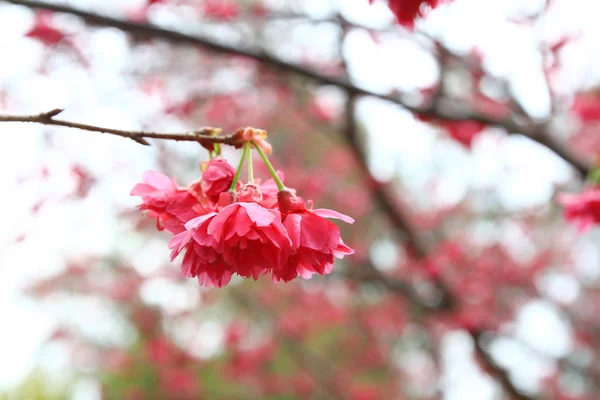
<point>289,202</point>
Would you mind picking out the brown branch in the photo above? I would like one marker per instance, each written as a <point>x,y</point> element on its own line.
<point>203,135</point>
<point>512,125</point>
<point>291,16</point>
<point>367,273</point>
<point>419,248</point>
<point>397,217</point>
<point>498,371</point>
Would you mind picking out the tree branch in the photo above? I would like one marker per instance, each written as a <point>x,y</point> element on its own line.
<point>204,135</point>
<point>534,131</point>
<point>401,222</point>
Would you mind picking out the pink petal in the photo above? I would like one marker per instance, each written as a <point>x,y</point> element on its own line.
<point>342,250</point>
<point>315,232</point>
<point>158,180</point>
<point>243,224</point>
<point>141,189</point>
<point>259,215</point>
<point>326,213</point>
<point>304,273</point>
<point>187,265</point>
<point>196,222</point>
<point>217,225</point>
<point>178,242</point>
<point>292,225</point>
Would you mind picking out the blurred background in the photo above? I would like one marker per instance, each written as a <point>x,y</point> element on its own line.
<point>446,142</point>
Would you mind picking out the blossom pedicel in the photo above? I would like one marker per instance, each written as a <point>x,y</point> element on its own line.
<point>226,228</point>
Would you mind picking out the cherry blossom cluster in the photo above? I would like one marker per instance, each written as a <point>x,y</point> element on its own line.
<point>226,227</point>
<point>406,11</point>
<point>582,209</point>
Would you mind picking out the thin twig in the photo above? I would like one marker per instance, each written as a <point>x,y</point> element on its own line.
<point>512,125</point>
<point>203,135</point>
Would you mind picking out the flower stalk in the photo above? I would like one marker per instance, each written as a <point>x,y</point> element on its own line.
<point>248,150</point>
<point>280,185</point>
<point>238,171</point>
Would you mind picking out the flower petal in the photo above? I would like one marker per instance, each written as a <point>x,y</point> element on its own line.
<point>158,180</point>
<point>326,213</point>
<point>196,222</point>
<point>259,215</point>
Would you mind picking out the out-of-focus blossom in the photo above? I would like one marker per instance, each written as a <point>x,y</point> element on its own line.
<point>587,107</point>
<point>44,31</point>
<point>582,209</point>
<point>406,11</point>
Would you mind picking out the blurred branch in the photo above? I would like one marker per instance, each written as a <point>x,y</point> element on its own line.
<point>398,218</point>
<point>419,248</point>
<point>337,19</point>
<point>564,363</point>
<point>367,272</point>
<point>512,125</point>
<point>496,370</point>
<point>202,135</point>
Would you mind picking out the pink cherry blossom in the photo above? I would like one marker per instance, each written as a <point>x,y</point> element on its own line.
<point>316,241</point>
<point>583,209</point>
<point>217,178</point>
<point>164,200</point>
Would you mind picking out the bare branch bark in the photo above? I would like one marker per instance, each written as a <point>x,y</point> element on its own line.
<point>414,242</point>
<point>203,135</point>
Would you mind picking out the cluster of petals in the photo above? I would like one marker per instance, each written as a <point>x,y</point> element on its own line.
<point>464,132</point>
<point>587,107</point>
<point>44,31</point>
<point>582,209</point>
<point>250,231</point>
<point>406,11</point>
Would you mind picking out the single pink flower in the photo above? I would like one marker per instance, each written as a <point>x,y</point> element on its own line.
<point>406,11</point>
<point>221,10</point>
<point>243,238</point>
<point>583,208</point>
<point>203,257</point>
<point>315,240</point>
<point>253,238</point>
<point>44,31</point>
<point>587,107</point>
<point>464,132</point>
<point>171,205</point>
<point>217,178</point>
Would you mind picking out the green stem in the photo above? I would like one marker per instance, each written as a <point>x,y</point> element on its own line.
<point>236,177</point>
<point>250,167</point>
<point>262,155</point>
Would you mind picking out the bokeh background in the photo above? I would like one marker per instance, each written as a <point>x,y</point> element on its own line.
<point>467,283</point>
